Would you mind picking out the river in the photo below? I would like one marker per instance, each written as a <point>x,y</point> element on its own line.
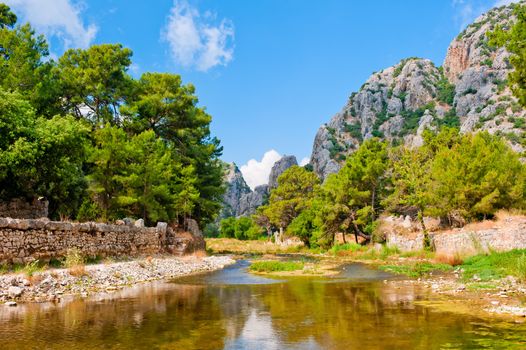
<point>232,309</point>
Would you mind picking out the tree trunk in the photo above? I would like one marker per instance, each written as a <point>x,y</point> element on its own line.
<point>373,198</point>
<point>358,232</point>
<point>427,240</point>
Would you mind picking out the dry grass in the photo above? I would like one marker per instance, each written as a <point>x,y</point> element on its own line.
<point>452,260</point>
<point>74,262</point>
<point>231,245</point>
<point>78,271</point>
<point>198,254</point>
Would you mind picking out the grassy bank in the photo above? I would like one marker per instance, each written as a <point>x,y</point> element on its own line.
<point>276,266</point>
<point>479,268</point>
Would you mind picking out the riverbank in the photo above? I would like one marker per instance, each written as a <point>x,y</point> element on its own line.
<point>471,285</point>
<point>56,284</point>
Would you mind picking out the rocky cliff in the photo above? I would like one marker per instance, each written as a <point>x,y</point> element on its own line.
<point>279,168</point>
<point>400,102</point>
<point>236,188</point>
<point>239,199</point>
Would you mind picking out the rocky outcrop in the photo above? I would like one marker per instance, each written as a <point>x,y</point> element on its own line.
<point>239,199</point>
<point>251,201</point>
<point>236,188</point>
<point>400,102</point>
<point>279,168</point>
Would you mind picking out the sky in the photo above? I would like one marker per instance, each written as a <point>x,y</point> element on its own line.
<point>270,72</point>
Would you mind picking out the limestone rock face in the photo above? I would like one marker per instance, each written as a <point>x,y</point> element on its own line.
<point>279,168</point>
<point>479,72</point>
<point>400,102</point>
<point>380,108</point>
<point>239,199</point>
<point>236,188</point>
<point>251,201</point>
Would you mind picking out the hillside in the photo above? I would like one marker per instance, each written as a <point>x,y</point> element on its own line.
<point>400,102</point>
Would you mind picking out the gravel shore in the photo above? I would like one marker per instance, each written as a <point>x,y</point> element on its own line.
<point>55,284</point>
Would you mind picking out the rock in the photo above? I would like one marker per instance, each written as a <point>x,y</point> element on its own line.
<point>139,223</point>
<point>120,222</point>
<point>279,168</point>
<point>236,189</point>
<point>26,282</point>
<point>251,201</point>
<point>10,303</point>
<point>193,227</point>
<point>239,199</point>
<point>128,221</point>
<point>411,89</point>
<point>15,292</point>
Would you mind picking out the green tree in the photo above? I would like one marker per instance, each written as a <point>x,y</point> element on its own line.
<point>476,177</point>
<point>41,157</point>
<point>296,187</point>
<point>186,192</point>
<point>513,40</point>
<point>94,82</point>
<point>411,184</point>
<point>146,185</point>
<point>21,52</point>
<point>351,198</point>
<point>109,163</point>
<point>227,227</point>
<point>7,17</point>
<point>241,228</point>
<point>162,104</point>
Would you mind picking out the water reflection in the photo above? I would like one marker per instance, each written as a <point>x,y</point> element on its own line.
<point>233,310</point>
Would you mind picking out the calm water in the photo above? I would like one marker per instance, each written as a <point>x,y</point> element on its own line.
<point>231,309</point>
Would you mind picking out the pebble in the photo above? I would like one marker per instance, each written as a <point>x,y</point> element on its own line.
<point>15,291</point>
<point>10,303</point>
<point>55,283</point>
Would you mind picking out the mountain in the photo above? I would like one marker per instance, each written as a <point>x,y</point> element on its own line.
<point>400,102</point>
<point>239,199</point>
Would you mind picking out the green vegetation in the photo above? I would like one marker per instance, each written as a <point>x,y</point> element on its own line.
<point>446,91</point>
<point>355,130</point>
<point>97,143</point>
<point>240,228</point>
<point>450,120</point>
<point>416,269</point>
<point>294,194</point>
<point>496,265</point>
<point>412,118</point>
<point>276,266</point>
<point>513,40</point>
<point>457,177</point>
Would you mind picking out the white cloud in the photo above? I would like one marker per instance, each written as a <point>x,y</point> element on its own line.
<point>304,161</point>
<point>195,41</point>
<point>59,18</point>
<point>257,173</point>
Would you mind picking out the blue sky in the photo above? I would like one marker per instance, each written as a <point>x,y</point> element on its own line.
<point>270,72</point>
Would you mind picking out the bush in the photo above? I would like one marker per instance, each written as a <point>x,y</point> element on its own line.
<point>240,228</point>
<point>211,230</point>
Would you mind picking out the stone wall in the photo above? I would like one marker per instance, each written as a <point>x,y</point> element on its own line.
<point>21,209</point>
<point>501,235</point>
<point>24,240</point>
